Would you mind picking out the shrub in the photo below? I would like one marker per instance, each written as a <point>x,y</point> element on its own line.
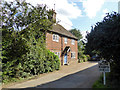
<point>52,61</point>
<point>23,41</point>
<point>88,57</point>
<point>83,58</point>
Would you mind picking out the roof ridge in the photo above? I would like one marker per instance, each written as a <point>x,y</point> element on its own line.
<point>66,30</point>
<point>61,30</point>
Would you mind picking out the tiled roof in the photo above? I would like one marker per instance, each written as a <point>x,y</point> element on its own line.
<point>57,28</point>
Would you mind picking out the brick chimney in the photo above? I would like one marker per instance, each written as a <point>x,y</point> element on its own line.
<point>54,16</point>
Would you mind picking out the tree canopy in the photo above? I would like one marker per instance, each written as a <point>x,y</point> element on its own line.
<point>23,41</point>
<point>77,33</point>
<point>81,56</point>
<point>104,39</point>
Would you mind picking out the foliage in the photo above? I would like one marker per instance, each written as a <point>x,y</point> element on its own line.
<point>77,33</point>
<point>81,47</point>
<point>104,40</point>
<point>82,58</point>
<point>109,83</point>
<point>112,81</point>
<point>99,84</point>
<point>23,41</point>
<point>0,55</point>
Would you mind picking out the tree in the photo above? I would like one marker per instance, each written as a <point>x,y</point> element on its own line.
<point>77,33</point>
<point>104,40</point>
<point>81,55</point>
<point>23,40</point>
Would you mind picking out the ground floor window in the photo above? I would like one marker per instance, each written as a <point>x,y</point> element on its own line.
<point>73,55</point>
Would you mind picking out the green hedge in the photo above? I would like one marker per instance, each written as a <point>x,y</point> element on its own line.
<point>24,52</point>
<point>47,63</point>
<point>22,57</point>
<point>83,58</point>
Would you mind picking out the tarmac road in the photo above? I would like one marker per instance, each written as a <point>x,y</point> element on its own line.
<point>76,75</point>
<point>81,79</point>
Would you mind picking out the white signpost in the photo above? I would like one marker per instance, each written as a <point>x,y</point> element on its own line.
<point>104,66</point>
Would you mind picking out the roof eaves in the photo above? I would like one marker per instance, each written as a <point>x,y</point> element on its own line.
<point>57,28</point>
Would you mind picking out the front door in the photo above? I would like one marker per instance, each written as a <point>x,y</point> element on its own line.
<point>65,59</point>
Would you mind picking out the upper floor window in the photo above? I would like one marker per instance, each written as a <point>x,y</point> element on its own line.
<point>73,55</point>
<point>72,41</point>
<point>56,37</point>
<point>65,40</point>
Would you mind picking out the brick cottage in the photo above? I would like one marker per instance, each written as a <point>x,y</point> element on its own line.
<point>62,43</point>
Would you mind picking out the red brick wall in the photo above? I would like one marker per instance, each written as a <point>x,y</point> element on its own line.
<point>56,46</point>
<point>52,45</point>
<point>73,48</point>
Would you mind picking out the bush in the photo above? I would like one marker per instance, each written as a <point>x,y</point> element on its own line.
<point>23,41</point>
<point>80,60</point>
<point>88,57</point>
<point>83,58</point>
<point>47,63</point>
<point>53,62</point>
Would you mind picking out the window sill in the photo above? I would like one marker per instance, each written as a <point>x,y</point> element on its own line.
<point>73,57</point>
<point>55,41</point>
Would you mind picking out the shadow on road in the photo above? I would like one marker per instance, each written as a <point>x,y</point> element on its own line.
<point>81,79</point>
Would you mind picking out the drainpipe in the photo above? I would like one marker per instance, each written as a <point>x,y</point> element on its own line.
<point>61,50</point>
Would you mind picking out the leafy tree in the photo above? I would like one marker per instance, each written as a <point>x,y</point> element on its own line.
<point>81,45</point>
<point>104,40</point>
<point>23,41</point>
<point>77,33</point>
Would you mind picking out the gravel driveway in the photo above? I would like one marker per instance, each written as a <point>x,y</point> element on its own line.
<point>75,75</point>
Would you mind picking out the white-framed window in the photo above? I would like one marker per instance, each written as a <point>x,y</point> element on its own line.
<point>56,37</point>
<point>73,42</point>
<point>65,40</point>
<point>72,54</point>
<point>57,53</point>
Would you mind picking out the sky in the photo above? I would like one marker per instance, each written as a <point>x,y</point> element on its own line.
<point>79,14</point>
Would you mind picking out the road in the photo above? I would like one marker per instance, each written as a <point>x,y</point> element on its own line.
<point>76,75</point>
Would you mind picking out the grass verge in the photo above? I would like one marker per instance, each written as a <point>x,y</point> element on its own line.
<point>99,83</point>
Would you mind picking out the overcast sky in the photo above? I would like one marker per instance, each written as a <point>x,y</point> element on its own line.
<point>79,14</point>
